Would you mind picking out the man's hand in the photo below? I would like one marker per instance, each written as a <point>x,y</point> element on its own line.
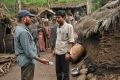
<point>67,56</point>
<point>44,61</point>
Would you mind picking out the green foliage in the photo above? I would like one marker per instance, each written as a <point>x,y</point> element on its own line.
<point>40,2</point>
<point>37,2</point>
<point>10,6</point>
<point>10,3</point>
<point>98,3</point>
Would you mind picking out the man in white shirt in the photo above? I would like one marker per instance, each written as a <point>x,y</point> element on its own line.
<point>64,42</point>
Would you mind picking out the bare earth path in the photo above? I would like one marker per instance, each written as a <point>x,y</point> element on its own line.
<point>42,71</point>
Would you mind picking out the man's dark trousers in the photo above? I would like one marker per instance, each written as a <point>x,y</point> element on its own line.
<point>62,67</point>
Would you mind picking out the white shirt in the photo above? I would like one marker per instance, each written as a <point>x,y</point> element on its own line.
<point>65,34</point>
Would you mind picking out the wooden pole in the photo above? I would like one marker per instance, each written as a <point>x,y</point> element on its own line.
<point>48,3</point>
<point>19,3</point>
<point>89,6</point>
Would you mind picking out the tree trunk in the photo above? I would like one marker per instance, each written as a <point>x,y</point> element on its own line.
<point>89,6</point>
<point>19,3</point>
<point>48,3</point>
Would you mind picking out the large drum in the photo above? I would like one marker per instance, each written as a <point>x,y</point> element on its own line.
<point>77,53</point>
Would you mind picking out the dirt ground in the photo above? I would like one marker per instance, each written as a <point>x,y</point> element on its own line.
<point>42,71</point>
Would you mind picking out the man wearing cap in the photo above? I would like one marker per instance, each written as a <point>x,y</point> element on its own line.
<point>64,42</point>
<point>25,48</point>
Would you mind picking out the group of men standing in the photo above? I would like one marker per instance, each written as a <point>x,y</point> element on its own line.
<point>26,50</point>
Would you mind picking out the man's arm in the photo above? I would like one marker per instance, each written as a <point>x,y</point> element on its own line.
<point>70,45</point>
<point>27,45</point>
<point>30,50</point>
<point>70,42</point>
<point>42,60</point>
<point>71,37</point>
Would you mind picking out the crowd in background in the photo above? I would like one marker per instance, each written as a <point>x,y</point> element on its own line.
<point>44,30</point>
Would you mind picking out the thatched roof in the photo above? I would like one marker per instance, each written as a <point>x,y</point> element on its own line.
<point>47,10</point>
<point>67,5</point>
<point>99,20</point>
<point>2,13</point>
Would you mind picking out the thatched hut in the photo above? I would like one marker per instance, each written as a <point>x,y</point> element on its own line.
<point>100,34</point>
<point>46,13</point>
<point>6,37</point>
<point>72,7</point>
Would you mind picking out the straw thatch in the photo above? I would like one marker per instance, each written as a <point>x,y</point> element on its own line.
<point>99,20</point>
<point>49,11</point>
<point>6,38</point>
<point>100,34</point>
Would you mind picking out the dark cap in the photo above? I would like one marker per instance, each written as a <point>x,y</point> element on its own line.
<point>60,13</point>
<point>23,13</point>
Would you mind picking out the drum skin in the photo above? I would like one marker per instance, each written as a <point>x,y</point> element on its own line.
<point>77,53</point>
